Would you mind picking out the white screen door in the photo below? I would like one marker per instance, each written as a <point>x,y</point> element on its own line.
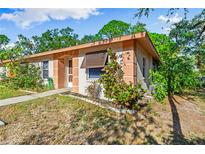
<point>69,73</point>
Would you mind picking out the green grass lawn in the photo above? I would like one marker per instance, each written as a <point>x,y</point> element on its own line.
<point>65,120</point>
<point>8,92</point>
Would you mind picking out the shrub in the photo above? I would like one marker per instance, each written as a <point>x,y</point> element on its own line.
<point>93,90</point>
<point>159,84</point>
<point>26,76</point>
<point>115,87</point>
<point>129,95</point>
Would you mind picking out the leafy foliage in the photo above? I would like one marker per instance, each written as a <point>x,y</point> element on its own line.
<point>164,45</point>
<point>114,28</point>
<point>26,45</point>
<point>180,52</point>
<point>138,27</point>
<point>27,76</point>
<point>160,85</point>
<point>187,34</point>
<point>176,73</point>
<point>94,89</point>
<point>90,38</point>
<point>147,11</point>
<point>19,75</point>
<point>4,40</point>
<point>55,39</point>
<point>143,12</point>
<point>115,87</point>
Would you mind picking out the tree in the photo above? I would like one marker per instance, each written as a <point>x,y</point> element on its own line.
<point>138,27</point>
<point>55,39</point>
<point>91,38</point>
<point>26,44</point>
<point>188,34</point>
<point>180,52</point>
<point>4,40</point>
<point>147,11</point>
<point>176,73</point>
<point>190,38</point>
<point>114,28</point>
<point>163,44</point>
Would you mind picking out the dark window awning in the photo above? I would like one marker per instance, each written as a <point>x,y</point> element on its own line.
<point>94,60</point>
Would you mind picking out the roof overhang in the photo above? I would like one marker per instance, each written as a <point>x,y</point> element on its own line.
<point>142,37</point>
<point>149,47</point>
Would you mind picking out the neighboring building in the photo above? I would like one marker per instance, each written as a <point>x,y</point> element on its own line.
<point>76,66</point>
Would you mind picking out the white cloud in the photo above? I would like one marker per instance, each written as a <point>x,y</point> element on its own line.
<point>10,45</point>
<point>168,21</point>
<point>173,19</point>
<point>25,18</point>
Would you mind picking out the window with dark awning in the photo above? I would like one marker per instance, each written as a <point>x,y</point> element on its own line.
<point>94,60</point>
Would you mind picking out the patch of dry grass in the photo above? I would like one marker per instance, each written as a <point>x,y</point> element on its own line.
<point>65,120</point>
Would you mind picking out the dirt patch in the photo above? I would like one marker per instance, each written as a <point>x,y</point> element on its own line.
<point>182,119</point>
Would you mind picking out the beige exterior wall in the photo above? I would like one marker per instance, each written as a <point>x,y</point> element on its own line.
<point>130,54</point>
<point>141,53</point>
<point>84,81</point>
<point>50,69</point>
<point>129,61</point>
<point>38,62</point>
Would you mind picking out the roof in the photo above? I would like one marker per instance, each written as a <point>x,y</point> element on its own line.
<point>142,37</point>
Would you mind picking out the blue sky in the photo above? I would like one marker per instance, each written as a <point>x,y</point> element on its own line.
<point>31,22</point>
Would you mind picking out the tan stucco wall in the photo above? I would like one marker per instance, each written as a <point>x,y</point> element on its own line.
<point>84,81</point>
<point>129,61</point>
<point>132,54</point>
<point>140,54</point>
<point>38,62</point>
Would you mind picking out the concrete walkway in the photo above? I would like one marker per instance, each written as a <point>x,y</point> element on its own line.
<point>20,99</point>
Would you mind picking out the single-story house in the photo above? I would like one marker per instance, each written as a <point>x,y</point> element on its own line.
<point>74,67</point>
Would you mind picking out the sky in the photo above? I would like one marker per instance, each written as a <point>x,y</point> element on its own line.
<point>30,22</point>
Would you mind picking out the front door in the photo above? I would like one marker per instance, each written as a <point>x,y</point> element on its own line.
<point>69,74</point>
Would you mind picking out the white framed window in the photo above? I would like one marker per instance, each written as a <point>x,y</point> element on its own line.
<point>94,73</point>
<point>45,69</point>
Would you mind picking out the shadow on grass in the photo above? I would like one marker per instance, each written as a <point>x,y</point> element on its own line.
<point>124,130</point>
<point>98,127</point>
<point>177,136</point>
<point>200,93</point>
